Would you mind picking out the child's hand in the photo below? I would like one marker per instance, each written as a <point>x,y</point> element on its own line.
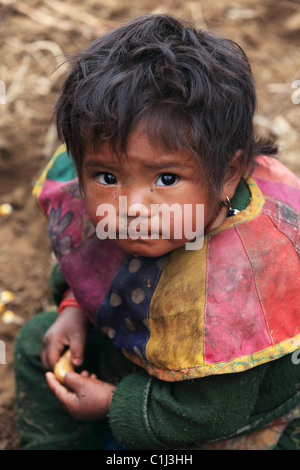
<point>84,396</point>
<point>70,329</point>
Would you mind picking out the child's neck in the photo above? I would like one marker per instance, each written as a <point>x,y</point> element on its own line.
<point>217,220</point>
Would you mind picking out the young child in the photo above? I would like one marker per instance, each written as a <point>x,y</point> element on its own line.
<point>179,346</point>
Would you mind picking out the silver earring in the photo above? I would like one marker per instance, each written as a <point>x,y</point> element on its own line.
<point>231,211</point>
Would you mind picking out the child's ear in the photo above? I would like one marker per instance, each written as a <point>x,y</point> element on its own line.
<point>233,176</point>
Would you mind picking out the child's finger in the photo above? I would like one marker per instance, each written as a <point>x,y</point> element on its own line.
<point>62,394</point>
<point>77,344</point>
<point>74,382</point>
<point>84,373</point>
<point>67,398</point>
<point>51,353</point>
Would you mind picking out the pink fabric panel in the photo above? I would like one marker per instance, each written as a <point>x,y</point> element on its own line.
<point>276,270</point>
<point>271,169</point>
<point>234,321</point>
<point>280,191</point>
<point>59,198</point>
<point>90,268</point>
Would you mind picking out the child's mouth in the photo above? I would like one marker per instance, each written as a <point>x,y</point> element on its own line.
<point>122,234</point>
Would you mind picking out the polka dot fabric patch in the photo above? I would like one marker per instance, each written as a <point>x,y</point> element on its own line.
<point>124,313</point>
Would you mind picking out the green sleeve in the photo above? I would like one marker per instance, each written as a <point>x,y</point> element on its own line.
<point>147,413</point>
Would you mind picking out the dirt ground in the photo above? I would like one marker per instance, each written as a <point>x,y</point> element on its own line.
<point>34,36</point>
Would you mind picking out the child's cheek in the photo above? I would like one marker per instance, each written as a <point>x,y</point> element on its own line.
<point>193,220</point>
<point>92,203</point>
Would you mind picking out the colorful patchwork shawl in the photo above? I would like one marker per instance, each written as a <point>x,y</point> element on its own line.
<point>230,306</point>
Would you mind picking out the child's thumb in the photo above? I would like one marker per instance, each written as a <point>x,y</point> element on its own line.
<point>73,382</point>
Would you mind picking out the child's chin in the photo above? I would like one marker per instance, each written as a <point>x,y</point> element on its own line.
<point>148,248</point>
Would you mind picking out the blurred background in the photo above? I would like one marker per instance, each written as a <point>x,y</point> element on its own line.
<point>34,36</point>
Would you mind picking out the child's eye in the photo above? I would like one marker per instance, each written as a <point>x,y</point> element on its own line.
<point>106,178</point>
<point>167,179</point>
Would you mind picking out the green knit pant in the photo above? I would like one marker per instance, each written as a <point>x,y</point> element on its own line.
<point>42,423</point>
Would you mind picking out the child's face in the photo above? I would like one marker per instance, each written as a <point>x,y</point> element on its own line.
<point>147,177</point>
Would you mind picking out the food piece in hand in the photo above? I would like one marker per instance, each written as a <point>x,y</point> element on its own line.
<point>63,366</point>
<point>5,209</point>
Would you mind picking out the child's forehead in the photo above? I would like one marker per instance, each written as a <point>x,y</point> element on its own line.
<point>139,148</point>
<point>137,160</point>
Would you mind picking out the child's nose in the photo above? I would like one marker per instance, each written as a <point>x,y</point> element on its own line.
<point>138,200</point>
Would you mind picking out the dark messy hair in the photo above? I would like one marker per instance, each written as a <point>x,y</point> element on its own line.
<point>194,90</point>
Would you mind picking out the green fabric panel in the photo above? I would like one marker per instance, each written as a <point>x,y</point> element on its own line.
<point>128,413</point>
<point>63,168</point>
<point>241,197</point>
<point>41,422</point>
<point>58,284</point>
<point>281,384</point>
<point>162,415</point>
<point>147,413</point>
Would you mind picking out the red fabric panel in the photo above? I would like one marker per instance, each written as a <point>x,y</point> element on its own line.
<point>234,322</point>
<point>276,271</point>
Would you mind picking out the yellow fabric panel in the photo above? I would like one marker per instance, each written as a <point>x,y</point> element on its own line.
<point>176,311</point>
<point>240,364</point>
<point>257,202</point>
<point>40,182</point>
